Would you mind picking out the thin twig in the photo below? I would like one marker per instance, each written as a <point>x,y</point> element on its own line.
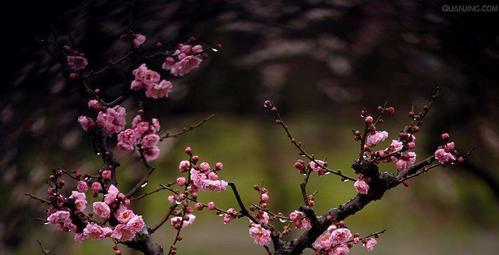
<point>37,198</point>
<point>187,129</point>
<point>44,251</point>
<point>298,145</point>
<point>167,216</point>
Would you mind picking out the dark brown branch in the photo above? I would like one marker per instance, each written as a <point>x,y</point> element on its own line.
<point>243,211</point>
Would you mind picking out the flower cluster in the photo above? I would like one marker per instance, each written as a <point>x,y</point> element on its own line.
<point>142,136</point>
<point>185,59</point>
<point>300,220</point>
<point>446,153</point>
<point>204,178</point>
<point>68,214</point>
<point>151,81</point>
<point>337,240</point>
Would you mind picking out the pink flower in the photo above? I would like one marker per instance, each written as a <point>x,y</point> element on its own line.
<point>79,237</point>
<point>204,166</point>
<point>176,221</point>
<point>159,90</point>
<point>300,221</point>
<point>155,125</point>
<point>396,146</point>
<point>361,186</point>
<point>80,200</point>
<point>151,77</point>
<point>370,243</point>
<point>136,224</point>
<point>102,210</point>
<point>149,141</point>
<point>94,104</point>
<point>96,187</point>
<point>211,205</point>
<point>111,195</point>
<point>127,139</point>
<point>86,123</point>
<point>141,128</point>
<point>214,185</point>
<point>123,233</point>
<point>263,218</point>
<point>138,40</point>
<point>373,139</point>
<point>406,161</point>
<point>123,215</point>
<point>82,186</point>
<point>113,120</point>
<point>93,231</point>
<point>259,234</point>
<point>151,154</point>
<point>340,235</point>
<point>181,181</point>
<point>341,249</point>
<point>318,166</point>
<point>323,242</point>
<point>264,197</point>
<point>185,66</point>
<point>58,217</point>
<point>136,85</point>
<point>443,156</point>
<point>184,165</point>
<point>77,63</point>
<point>140,72</point>
<point>197,49</point>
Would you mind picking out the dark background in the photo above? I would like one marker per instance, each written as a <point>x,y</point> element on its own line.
<point>321,61</point>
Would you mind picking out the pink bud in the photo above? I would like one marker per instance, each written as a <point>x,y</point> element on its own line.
<point>211,205</point>
<point>369,119</point>
<point>204,166</point>
<point>445,136</point>
<point>82,186</point>
<point>96,187</point>
<point>181,181</point>
<point>198,206</point>
<point>219,166</point>
<point>411,145</point>
<point>264,197</point>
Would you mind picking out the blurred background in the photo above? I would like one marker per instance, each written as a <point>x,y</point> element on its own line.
<point>320,61</point>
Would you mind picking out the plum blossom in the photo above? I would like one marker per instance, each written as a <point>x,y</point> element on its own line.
<point>93,231</point>
<point>318,166</point>
<point>101,209</point>
<point>77,63</point>
<point>151,154</point>
<point>259,234</point>
<point>111,195</point>
<point>112,120</point>
<point>377,137</point>
<point>299,220</point>
<point>341,249</point>
<point>82,186</point>
<point>176,221</point>
<point>94,104</point>
<point>263,217</point>
<point>127,139</point>
<point>86,123</point>
<point>159,90</point>
<point>361,186</point>
<point>340,235</point>
<point>80,200</point>
<point>62,221</point>
<point>123,215</point>
<point>443,155</point>
<point>185,65</point>
<point>396,146</point>
<point>405,161</point>
<point>207,181</point>
<point>123,233</point>
<point>136,224</point>
<point>370,243</point>
<point>138,40</point>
